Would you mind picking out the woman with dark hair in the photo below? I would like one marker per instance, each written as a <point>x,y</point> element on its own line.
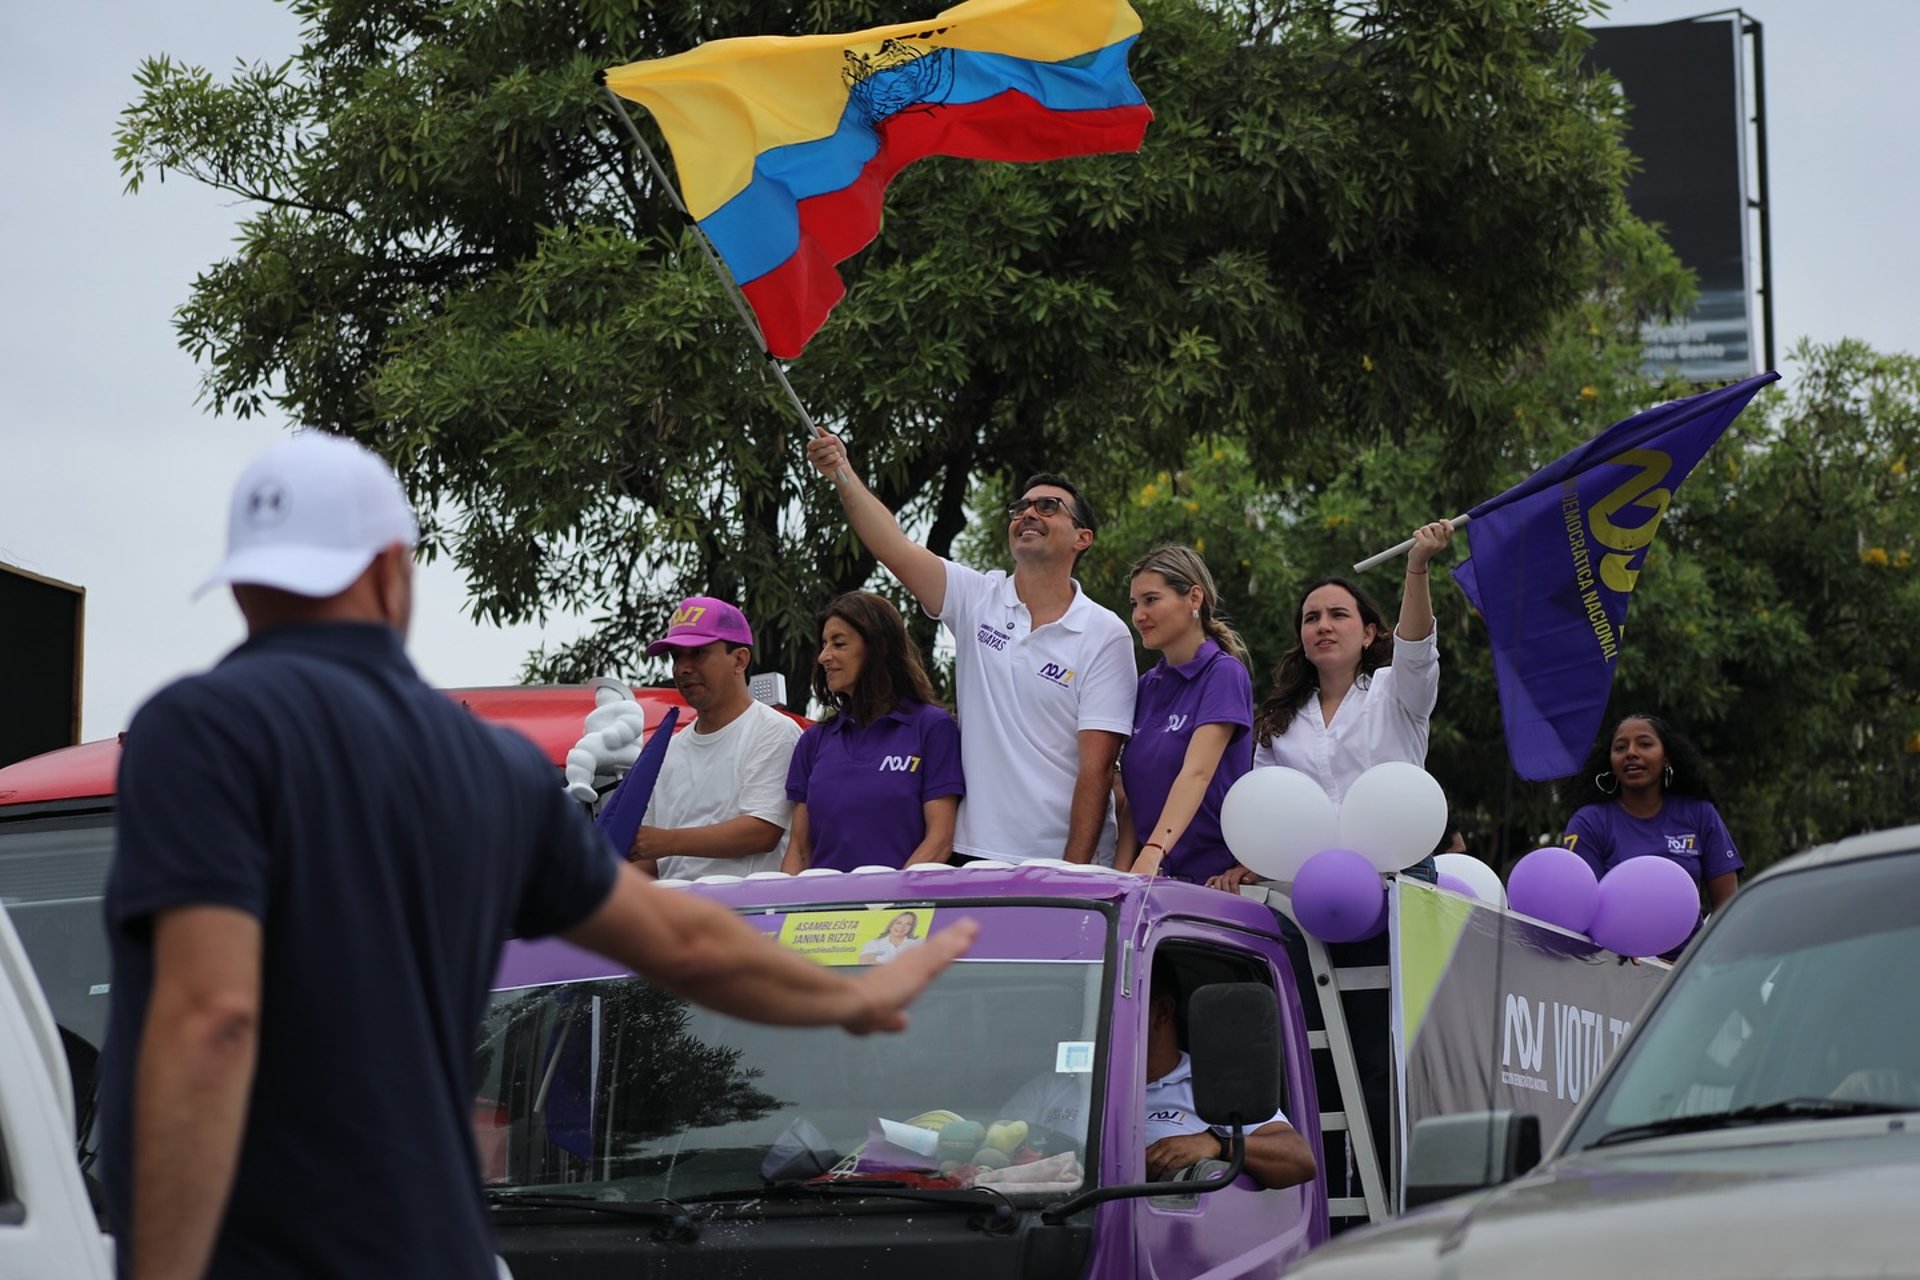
<point>1644,790</point>
<point>1192,716</point>
<point>1354,693</point>
<point>877,781</point>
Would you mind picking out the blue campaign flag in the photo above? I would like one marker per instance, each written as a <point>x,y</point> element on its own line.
<point>621,815</point>
<point>1554,562</point>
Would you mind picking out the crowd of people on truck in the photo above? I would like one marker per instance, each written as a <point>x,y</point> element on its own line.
<point>1067,751</point>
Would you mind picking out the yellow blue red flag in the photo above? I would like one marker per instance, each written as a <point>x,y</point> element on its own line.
<point>1555,560</point>
<point>785,145</point>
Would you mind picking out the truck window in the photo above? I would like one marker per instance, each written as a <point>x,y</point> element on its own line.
<point>614,1087</point>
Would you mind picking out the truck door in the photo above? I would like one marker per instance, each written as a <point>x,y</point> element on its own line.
<point>1242,1230</point>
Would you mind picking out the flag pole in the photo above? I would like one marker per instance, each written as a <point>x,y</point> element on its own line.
<point>1400,548</point>
<point>720,271</point>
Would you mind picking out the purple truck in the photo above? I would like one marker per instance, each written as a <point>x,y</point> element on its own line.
<point>624,1131</point>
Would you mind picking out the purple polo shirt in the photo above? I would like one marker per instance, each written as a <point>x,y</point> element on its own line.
<point>1212,688</point>
<point>1687,830</point>
<point>864,785</point>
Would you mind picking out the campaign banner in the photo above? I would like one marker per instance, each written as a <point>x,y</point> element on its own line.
<point>1495,1010</point>
<point>844,937</point>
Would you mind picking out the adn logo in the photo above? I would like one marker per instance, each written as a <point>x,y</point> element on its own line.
<point>900,764</point>
<point>687,617</point>
<point>1680,844</point>
<point>1062,676</point>
<point>993,639</point>
<point>1174,1116</point>
<point>1176,723</point>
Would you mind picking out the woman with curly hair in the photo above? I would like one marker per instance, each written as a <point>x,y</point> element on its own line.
<point>1644,790</point>
<point>877,781</point>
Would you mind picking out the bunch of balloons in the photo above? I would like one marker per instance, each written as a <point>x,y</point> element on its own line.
<point>1279,823</point>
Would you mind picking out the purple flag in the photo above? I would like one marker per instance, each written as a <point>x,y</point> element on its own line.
<point>621,815</point>
<point>1554,562</point>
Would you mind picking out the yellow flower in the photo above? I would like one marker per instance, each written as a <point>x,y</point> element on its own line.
<point>1899,466</point>
<point>1192,507</point>
<point>1902,558</point>
<point>1200,545</point>
<point>1219,455</point>
<point>1333,522</point>
<point>1875,556</point>
<point>1589,392</point>
<point>1366,362</point>
<point>1148,492</point>
<point>1163,478</point>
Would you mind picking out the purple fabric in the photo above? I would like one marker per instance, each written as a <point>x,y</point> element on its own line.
<point>1554,563</point>
<point>865,785</point>
<point>1212,688</point>
<point>621,816</point>
<point>1686,830</point>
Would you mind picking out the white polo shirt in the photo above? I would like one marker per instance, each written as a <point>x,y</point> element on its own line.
<point>1024,696</point>
<point>1058,1102</point>
<point>1383,717</point>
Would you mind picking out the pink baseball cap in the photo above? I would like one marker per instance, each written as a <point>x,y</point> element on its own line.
<point>702,620</point>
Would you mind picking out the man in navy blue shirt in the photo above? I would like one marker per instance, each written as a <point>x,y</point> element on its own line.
<point>318,858</point>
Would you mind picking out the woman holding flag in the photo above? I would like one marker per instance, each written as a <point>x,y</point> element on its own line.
<point>1353,693</point>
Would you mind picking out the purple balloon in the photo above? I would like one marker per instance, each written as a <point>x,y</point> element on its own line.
<point>1454,884</point>
<point>1647,906</point>
<point>1555,885</point>
<point>1338,896</point>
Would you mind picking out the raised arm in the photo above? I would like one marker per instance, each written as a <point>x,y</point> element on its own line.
<point>1416,606</point>
<point>918,569</point>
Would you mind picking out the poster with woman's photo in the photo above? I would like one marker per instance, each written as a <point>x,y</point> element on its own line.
<point>856,936</point>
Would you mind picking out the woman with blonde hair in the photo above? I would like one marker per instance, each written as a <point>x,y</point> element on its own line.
<point>1193,715</point>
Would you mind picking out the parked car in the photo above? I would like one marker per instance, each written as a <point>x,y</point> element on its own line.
<point>1761,1120</point>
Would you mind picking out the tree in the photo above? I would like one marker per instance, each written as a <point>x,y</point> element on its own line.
<point>1347,219</point>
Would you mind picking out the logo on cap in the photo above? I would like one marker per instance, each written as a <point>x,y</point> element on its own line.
<point>686,616</point>
<point>267,505</point>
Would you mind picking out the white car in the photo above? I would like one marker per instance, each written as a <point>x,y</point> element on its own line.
<point>47,1224</point>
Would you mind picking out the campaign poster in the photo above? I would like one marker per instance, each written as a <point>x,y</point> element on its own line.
<point>855,936</point>
<point>1493,1010</point>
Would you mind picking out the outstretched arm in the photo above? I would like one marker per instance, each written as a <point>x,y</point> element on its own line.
<point>701,950</point>
<point>1416,607</point>
<point>918,569</point>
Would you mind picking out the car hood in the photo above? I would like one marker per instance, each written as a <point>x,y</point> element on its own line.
<point>1825,1198</point>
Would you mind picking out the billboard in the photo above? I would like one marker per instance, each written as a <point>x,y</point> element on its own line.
<point>40,650</point>
<point>1687,124</point>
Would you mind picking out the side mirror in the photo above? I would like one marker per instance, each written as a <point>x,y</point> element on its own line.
<point>1233,1037</point>
<point>1451,1155</point>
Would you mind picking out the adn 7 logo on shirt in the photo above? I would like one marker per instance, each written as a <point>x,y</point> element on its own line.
<point>1062,676</point>
<point>992,637</point>
<point>1680,844</point>
<point>900,764</point>
<point>1176,723</point>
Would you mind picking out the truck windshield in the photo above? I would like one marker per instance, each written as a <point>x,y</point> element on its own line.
<point>52,873</point>
<point>603,1084</point>
<point>1799,1004</point>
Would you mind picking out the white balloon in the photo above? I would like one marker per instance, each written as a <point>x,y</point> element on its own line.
<point>1481,878</point>
<point>1394,814</point>
<point>1275,818</point>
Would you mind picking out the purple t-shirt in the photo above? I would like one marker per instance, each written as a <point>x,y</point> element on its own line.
<point>1687,830</point>
<point>864,785</point>
<point>1211,688</point>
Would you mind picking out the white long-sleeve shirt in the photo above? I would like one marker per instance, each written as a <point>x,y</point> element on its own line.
<point>1383,717</point>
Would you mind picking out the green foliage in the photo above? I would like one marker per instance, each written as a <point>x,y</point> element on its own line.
<point>1348,220</point>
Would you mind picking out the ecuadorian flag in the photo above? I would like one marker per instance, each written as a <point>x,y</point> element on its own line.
<point>785,145</point>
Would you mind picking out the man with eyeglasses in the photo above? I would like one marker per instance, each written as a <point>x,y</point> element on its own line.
<point>1044,677</point>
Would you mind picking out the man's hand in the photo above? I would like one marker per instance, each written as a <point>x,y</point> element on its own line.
<point>648,845</point>
<point>883,992</point>
<point>1170,1155</point>
<point>1232,880</point>
<point>829,457</point>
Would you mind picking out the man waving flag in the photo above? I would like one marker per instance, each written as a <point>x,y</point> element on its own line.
<point>1554,562</point>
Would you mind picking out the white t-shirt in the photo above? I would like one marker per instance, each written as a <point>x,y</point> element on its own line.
<point>712,777</point>
<point>1024,695</point>
<point>1383,717</point>
<point>1057,1101</point>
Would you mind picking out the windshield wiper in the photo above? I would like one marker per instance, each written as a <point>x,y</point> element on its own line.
<point>1002,1218</point>
<point>675,1222</point>
<point>1760,1113</point>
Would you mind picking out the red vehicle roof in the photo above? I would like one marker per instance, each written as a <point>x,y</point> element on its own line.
<point>550,715</point>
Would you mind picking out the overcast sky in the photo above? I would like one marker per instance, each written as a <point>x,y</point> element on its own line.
<point>112,477</point>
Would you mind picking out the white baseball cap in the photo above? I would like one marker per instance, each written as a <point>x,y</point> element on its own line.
<point>310,514</point>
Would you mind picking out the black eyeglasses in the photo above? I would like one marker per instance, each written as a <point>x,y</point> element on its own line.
<point>1047,505</point>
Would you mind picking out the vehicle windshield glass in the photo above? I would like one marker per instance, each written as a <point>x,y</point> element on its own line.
<point>52,873</point>
<point>602,1084</point>
<point>1802,995</point>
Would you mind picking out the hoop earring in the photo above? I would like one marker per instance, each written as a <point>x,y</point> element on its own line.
<point>1602,786</point>
<point>1666,778</point>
